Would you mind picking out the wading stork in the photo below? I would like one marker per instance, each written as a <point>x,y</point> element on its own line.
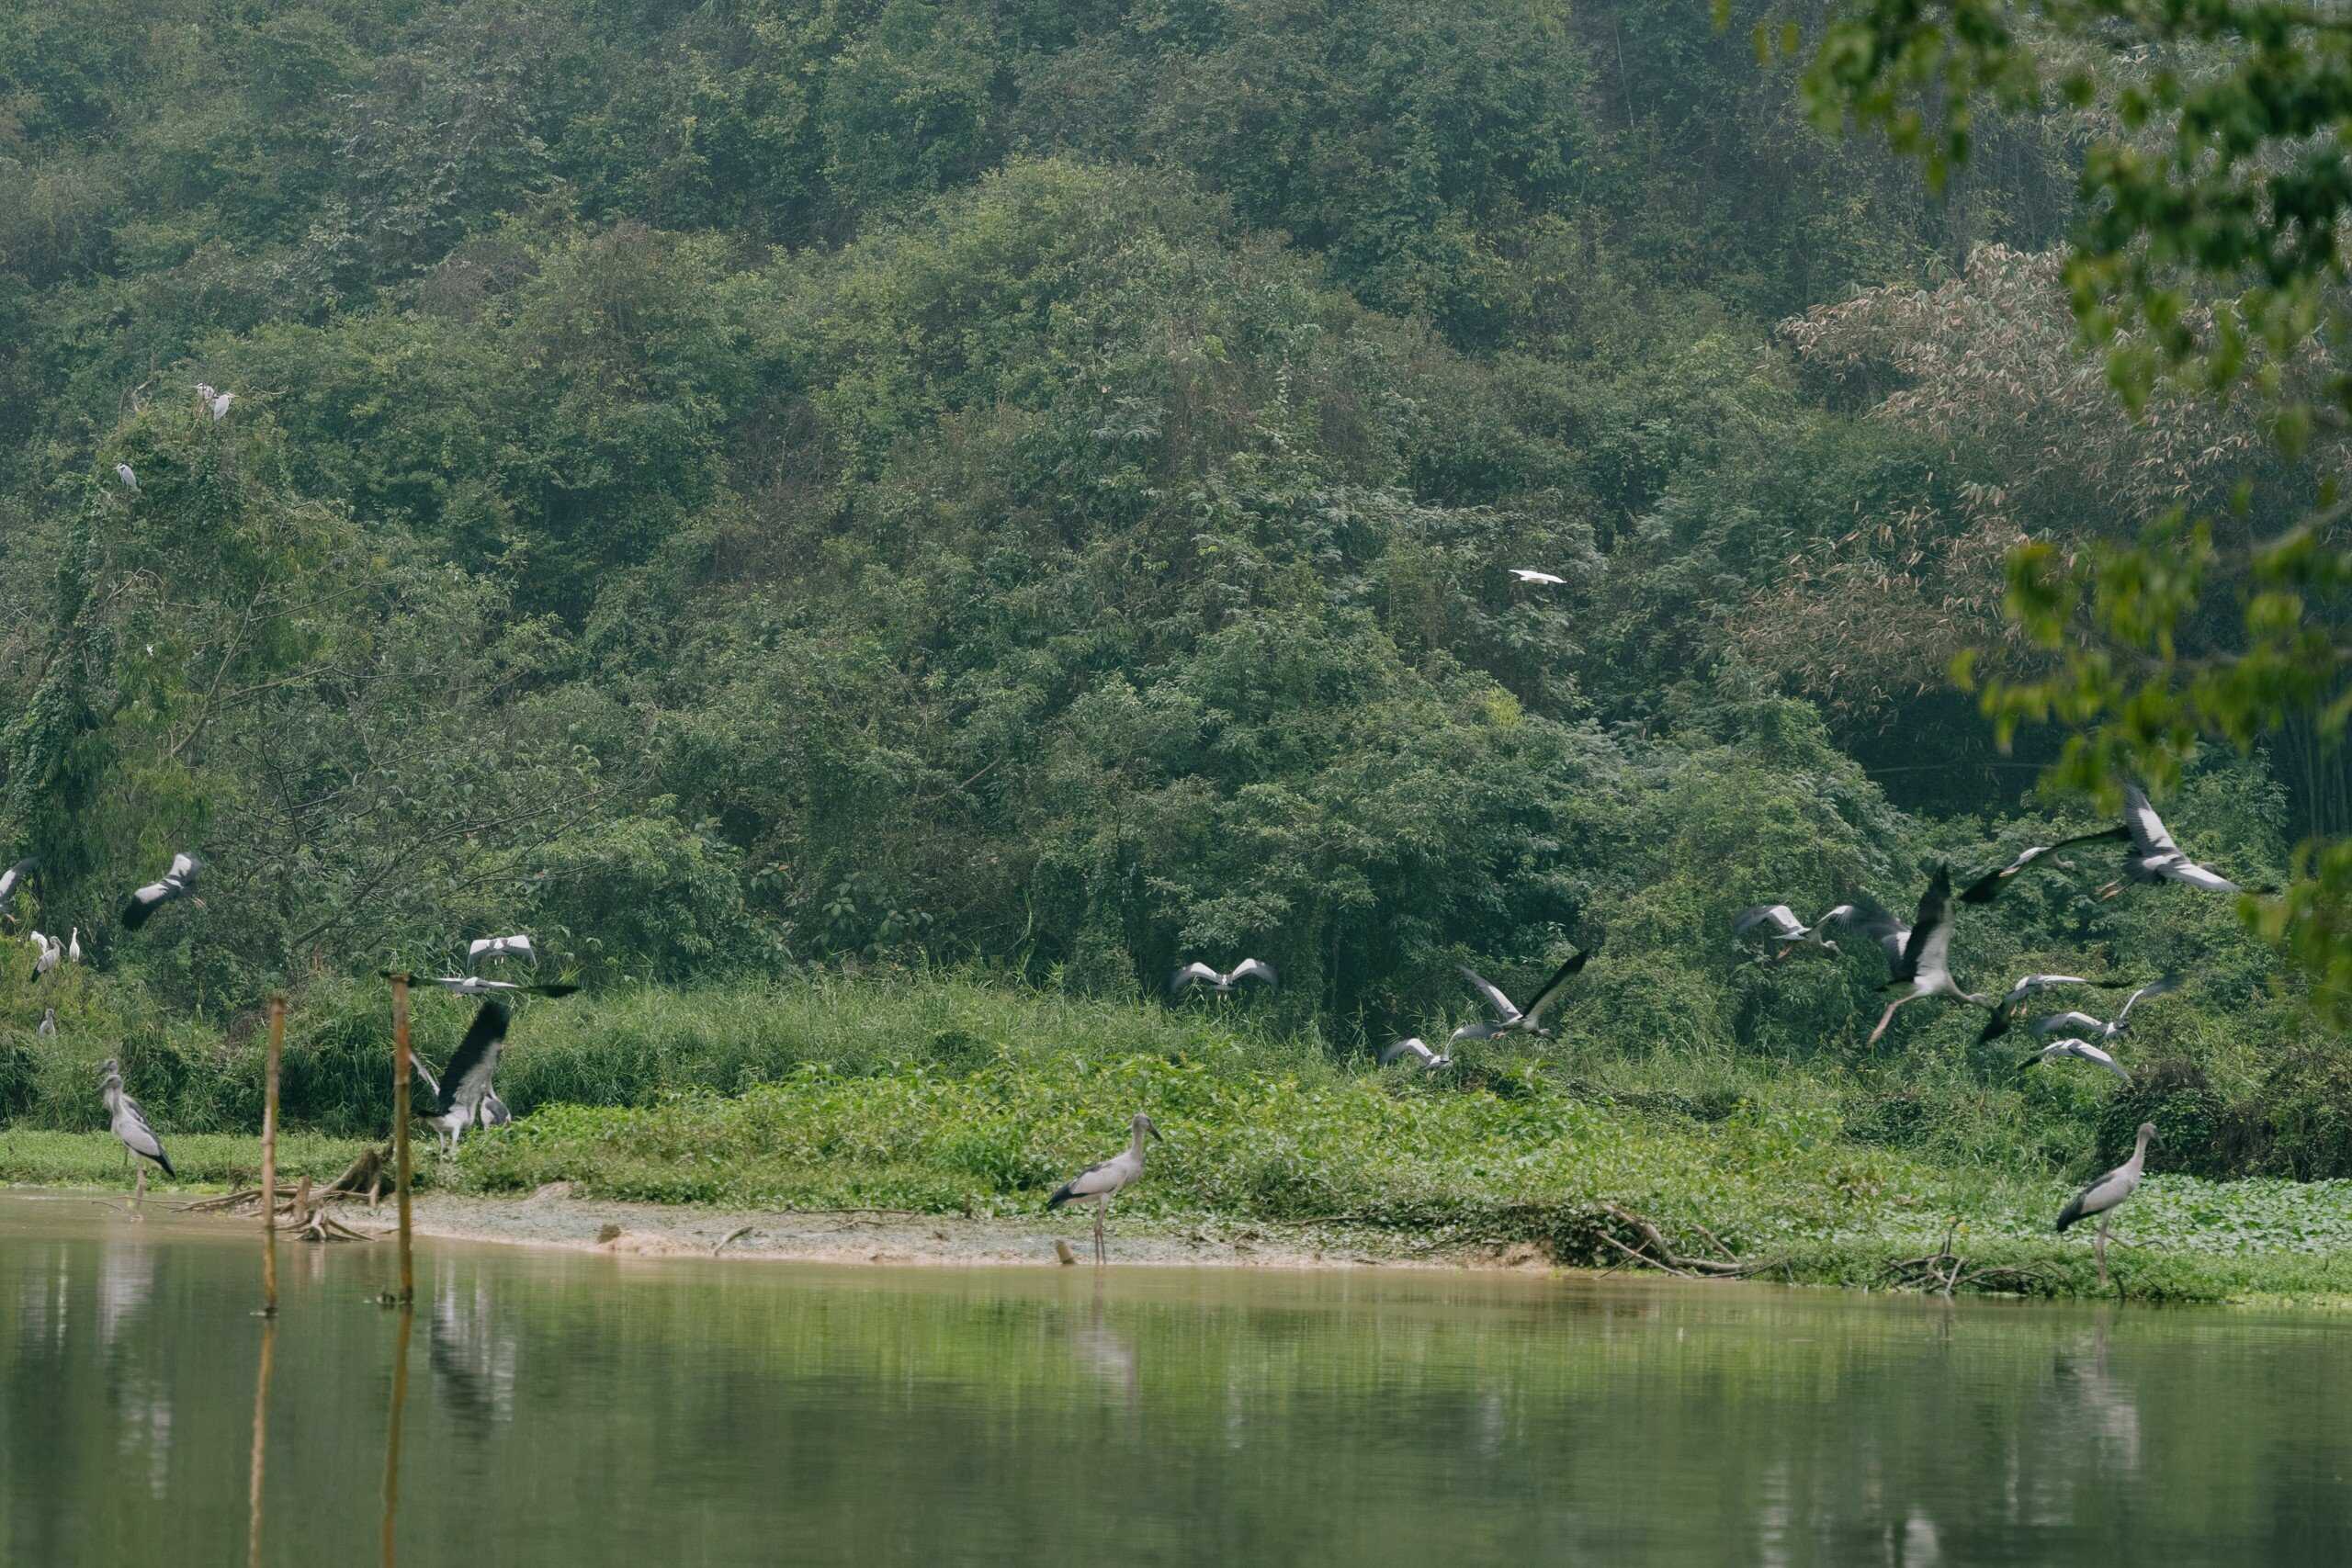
<point>131,1125</point>
<point>1098,1184</point>
<point>2103,1197</point>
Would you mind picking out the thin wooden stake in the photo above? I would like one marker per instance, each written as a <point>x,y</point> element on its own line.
<point>269,1157</point>
<point>400,1148</point>
<point>392,1434</point>
<point>261,1430</point>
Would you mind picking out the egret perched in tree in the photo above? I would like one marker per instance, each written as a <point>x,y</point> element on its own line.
<point>130,481</point>
<point>517,946</point>
<point>1926,964</point>
<point>130,1124</point>
<point>2109,1027</point>
<point>2006,1010</point>
<point>2155,858</point>
<point>1509,1018</point>
<point>1098,1184</point>
<point>177,884</point>
<point>1986,888</point>
<point>471,1068</point>
<point>1418,1049</point>
<point>1781,927</point>
<point>2080,1050</point>
<point>1192,975</point>
<point>73,946</point>
<point>2103,1197</point>
<point>1535,579</point>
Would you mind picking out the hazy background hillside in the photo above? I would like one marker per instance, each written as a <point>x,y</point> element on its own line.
<point>739,487</point>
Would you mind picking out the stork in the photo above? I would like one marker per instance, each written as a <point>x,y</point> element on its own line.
<point>13,878</point>
<point>2080,1050</point>
<point>178,882</point>
<point>2155,858</point>
<point>2104,1196</point>
<point>2108,1029</point>
<point>1987,887</point>
<point>48,1029</point>
<point>1925,966</point>
<point>516,946</point>
<point>1100,1182</point>
<point>1787,931</point>
<point>471,1068</point>
<point>1509,1018</point>
<point>131,1125</point>
<point>2006,1010</point>
<point>1197,974</point>
<point>476,986</point>
<point>1418,1049</point>
<point>52,954</point>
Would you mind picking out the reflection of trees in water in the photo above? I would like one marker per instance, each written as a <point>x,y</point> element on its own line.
<point>473,1351</point>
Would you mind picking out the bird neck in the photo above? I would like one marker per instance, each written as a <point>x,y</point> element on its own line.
<point>1135,1144</point>
<point>2140,1151</point>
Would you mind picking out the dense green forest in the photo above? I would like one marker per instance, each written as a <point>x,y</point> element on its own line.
<point>1031,486</point>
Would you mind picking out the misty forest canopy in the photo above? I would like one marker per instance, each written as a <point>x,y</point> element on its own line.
<point>723,487</point>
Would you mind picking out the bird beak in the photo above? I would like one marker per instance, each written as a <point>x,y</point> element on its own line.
<point>1154,1128</point>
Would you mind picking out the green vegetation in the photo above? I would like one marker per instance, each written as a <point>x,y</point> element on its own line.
<point>873,529</point>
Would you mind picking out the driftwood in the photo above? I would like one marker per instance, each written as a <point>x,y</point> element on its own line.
<point>1945,1271</point>
<point>1650,1247</point>
<point>731,1235</point>
<point>323,1227</point>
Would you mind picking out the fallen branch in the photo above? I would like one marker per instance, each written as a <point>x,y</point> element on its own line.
<point>1662,1254</point>
<point>730,1235</point>
<point>1945,1270</point>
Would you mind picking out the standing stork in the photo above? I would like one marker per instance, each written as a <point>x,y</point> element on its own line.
<point>1926,964</point>
<point>1987,887</point>
<point>52,954</point>
<point>2103,1197</point>
<point>1100,1182</point>
<point>179,882</point>
<point>1198,974</point>
<point>2155,858</point>
<point>1509,1018</point>
<point>1788,933</point>
<point>48,1029</point>
<point>131,1125</point>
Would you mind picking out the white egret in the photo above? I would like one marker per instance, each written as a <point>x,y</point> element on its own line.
<point>130,481</point>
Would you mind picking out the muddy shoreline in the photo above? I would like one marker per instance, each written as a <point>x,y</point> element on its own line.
<point>554,1217</point>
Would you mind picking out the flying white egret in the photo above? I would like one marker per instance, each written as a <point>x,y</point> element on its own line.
<point>1418,1049</point>
<point>2080,1050</point>
<point>48,1029</point>
<point>2006,1010</point>
<point>175,883</point>
<point>2108,1029</point>
<point>130,481</point>
<point>1786,932</point>
<point>1099,1183</point>
<point>1986,888</point>
<point>2104,1196</point>
<point>1509,1018</point>
<point>471,1068</point>
<point>516,946</point>
<point>2155,858</point>
<point>1926,964</point>
<point>130,1124</point>
<point>1197,974</point>
<point>1535,579</point>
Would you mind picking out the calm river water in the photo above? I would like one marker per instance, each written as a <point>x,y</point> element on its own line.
<point>570,1409</point>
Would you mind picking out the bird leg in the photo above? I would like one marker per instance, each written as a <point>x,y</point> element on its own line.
<point>2098,1250</point>
<point>139,1191</point>
<point>1102,1207</point>
<point>1886,1017</point>
<point>2110,890</point>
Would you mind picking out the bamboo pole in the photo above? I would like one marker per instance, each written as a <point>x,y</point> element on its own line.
<point>400,1145</point>
<point>269,1157</point>
<point>392,1435</point>
<point>261,1426</point>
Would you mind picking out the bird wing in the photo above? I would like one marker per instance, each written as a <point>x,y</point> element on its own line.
<point>2090,1053</point>
<point>2153,988</point>
<point>1930,947</point>
<point>2188,871</point>
<point>2100,1196</point>
<point>424,1076</point>
<point>131,1125</point>
<point>1784,920</point>
<point>184,868</point>
<point>1190,974</point>
<point>493,1110</point>
<point>1251,969</point>
<point>2058,1021</point>
<point>1555,984</point>
<point>142,904</point>
<point>480,945</point>
<point>2149,835</point>
<point>2029,984</point>
<point>15,875</point>
<point>1414,1047</point>
<point>476,1058</point>
<point>1874,921</point>
<point>1492,992</point>
<point>1085,1184</point>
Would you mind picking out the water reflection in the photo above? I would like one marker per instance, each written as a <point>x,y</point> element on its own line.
<point>698,1413</point>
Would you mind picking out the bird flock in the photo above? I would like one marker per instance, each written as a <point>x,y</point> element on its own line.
<point>1918,958</point>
